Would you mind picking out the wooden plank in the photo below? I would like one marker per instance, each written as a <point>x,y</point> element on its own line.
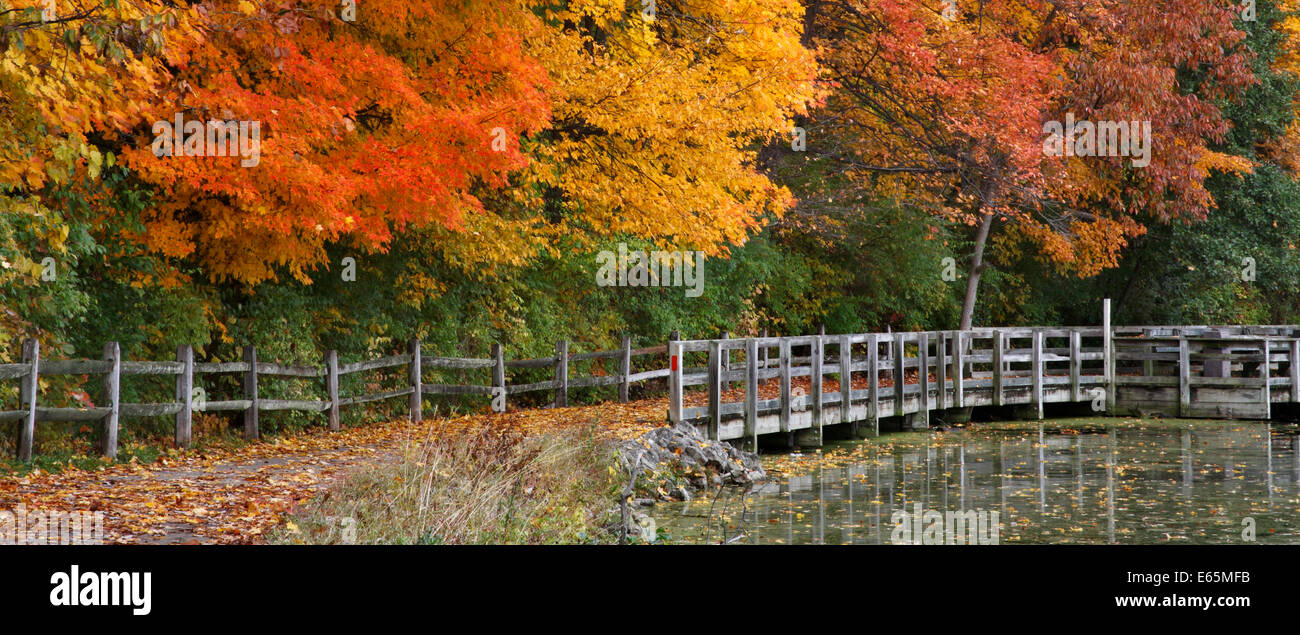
<point>293,404</point>
<point>549,384</point>
<point>625,370</point>
<point>112,393</point>
<point>1038,372</point>
<point>250,393</point>
<point>149,409</point>
<point>499,390</point>
<point>561,373</point>
<point>415,374</point>
<point>14,371</point>
<point>332,387</point>
<point>715,389</point>
<point>151,368</point>
<point>751,392</point>
<point>400,392</point>
<point>1076,366</point>
<point>375,364</point>
<point>1184,379</point>
<point>452,389</point>
<point>959,370</point>
<point>463,363</point>
<point>185,395</point>
<point>818,351</point>
<point>648,375</point>
<point>31,387</point>
<point>999,343</point>
<point>210,368</point>
<point>783,364</point>
<point>75,367</point>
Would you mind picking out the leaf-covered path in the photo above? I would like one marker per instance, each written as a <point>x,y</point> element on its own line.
<point>236,496</point>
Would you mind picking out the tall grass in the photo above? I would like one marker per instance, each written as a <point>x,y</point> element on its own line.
<point>482,486</point>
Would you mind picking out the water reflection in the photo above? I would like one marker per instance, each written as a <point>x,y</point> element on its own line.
<point>1188,482</point>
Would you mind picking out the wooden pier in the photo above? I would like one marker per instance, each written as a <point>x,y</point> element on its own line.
<point>724,386</point>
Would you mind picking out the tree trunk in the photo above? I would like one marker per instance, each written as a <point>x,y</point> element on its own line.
<point>976,268</point>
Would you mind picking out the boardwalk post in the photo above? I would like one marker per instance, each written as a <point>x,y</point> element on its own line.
<point>923,379</point>
<point>561,373</point>
<point>846,383</point>
<point>499,376</point>
<point>112,392</point>
<point>1076,365</point>
<point>900,373</point>
<point>1038,372</point>
<point>998,346</point>
<point>675,363</point>
<point>818,351</point>
<point>1267,373</point>
<point>958,369</point>
<point>751,392</point>
<point>941,369</point>
<point>625,369</point>
<point>1108,352</point>
<point>715,388</point>
<point>332,386</point>
<point>873,382</point>
<point>783,364</point>
<point>185,395</point>
<point>31,386</point>
<point>1184,378</point>
<point>250,391</point>
<point>1294,356</point>
<point>417,381</point>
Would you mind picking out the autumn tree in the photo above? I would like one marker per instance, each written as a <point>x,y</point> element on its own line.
<point>953,104</point>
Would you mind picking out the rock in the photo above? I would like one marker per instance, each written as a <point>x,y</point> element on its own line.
<point>671,455</point>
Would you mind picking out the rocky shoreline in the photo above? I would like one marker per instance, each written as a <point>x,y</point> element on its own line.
<point>676,462</point>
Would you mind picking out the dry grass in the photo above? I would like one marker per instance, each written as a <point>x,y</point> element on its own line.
<point>485,486</point>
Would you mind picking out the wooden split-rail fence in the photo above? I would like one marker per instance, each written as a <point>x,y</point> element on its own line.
<point>189,375</point>
<point>1188,371</point>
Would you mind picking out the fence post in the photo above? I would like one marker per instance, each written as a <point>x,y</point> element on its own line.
<point>1038,372</point>
<point>185,395</point>
<point>416,372</point>
<point>625,369</point>
<point>1294,367</point>
<point>726,361</point>
<point>941,369</point>
<point>959,369</point>
<point>900,373</point>
<point>751,393</point>
<point>562,373</point>
<point>715,389</point>
<point>499,375</point>
<point>1076,365</point>
<point>998,346</point>
<point>1267,373</point>
<point>1108,352</point>
<point>332,385</point>
<point>873,382</point>
<point>250,391</point>
<point>818,350</point>
<point>112,392</point>
<point>1184,378</point>
<point>783,373</point>
<point>31,386</point>
<point>846,383</point>
<point>674,381</point>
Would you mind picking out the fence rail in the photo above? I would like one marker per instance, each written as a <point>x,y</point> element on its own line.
<point>189,374</point>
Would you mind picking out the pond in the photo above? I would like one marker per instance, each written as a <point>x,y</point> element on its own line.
<point>1076,481</point>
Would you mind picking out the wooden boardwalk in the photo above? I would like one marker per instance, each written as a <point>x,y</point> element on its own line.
<point>1188,371</point>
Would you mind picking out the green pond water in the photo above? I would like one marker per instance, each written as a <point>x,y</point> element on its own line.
<point>1068,481</point>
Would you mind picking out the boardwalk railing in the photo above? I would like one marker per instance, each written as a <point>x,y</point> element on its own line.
<point>861,378</point>
<point>189,375</point>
